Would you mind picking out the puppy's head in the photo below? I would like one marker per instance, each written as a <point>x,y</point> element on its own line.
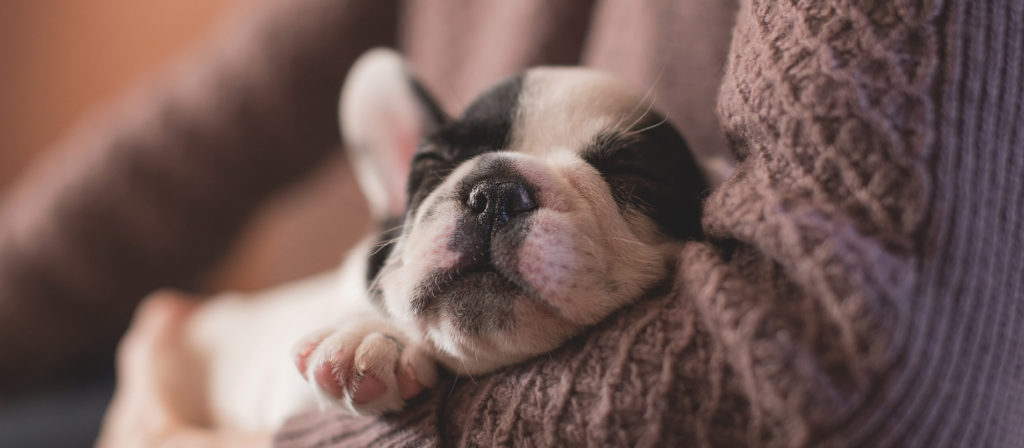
<point>554,199</point>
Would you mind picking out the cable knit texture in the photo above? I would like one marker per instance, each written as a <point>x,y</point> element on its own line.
<point>861,283</point>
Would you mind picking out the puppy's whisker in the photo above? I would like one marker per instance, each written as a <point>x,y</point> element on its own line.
<point>452,389</point>
<point>640,131</point>
<point>392,229</point>
<point>465,369</point>
<point>648,95</point>
<point>381,245</point>
<point>638,120</point>
<point>375,284</point>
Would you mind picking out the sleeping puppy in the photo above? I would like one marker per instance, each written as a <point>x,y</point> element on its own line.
<point>556,198</point>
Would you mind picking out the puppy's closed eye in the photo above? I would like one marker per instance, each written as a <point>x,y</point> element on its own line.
<point>621,162</point>
<point>430,155</point>
<point>646,171</point>
<point>623,165</point>
<point>429,167</point>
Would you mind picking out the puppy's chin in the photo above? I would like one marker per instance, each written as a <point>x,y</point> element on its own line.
<point>501,314</point>
<point>529,330</point>
<point>482,316</point>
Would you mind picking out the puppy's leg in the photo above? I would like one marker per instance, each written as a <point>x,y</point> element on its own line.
<point>242,345</point>
<point>366,367</point>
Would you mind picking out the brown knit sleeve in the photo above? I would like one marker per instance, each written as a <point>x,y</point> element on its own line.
<point>152,196</point>
<point>863,284</point>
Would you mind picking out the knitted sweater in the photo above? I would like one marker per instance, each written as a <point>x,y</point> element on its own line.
<point>861,283</point>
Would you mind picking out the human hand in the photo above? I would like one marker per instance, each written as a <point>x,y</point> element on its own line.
<point>147,408</point>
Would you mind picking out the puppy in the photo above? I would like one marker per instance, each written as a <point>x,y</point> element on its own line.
<point>556,198</point>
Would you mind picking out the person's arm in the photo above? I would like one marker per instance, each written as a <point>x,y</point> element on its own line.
<point>154,195</point>
<point>863,270</point>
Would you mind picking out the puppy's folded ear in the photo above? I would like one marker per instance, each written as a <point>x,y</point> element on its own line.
<point>385,113</point>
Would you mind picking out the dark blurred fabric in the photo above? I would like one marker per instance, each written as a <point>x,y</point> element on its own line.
<point>64,416</point>
<point>154,194</point>
<point>61,60</point>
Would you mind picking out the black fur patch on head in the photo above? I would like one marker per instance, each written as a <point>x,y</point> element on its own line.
<point>650,170</point>
<point>485,126</point>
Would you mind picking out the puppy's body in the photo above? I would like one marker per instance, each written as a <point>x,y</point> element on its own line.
<point>242,346</point>
<point>555,199</point>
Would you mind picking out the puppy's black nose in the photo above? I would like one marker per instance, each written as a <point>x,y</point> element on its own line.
<point>496,203</point>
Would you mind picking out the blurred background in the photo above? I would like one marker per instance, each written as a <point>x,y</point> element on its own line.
<point>64,61</point>
<point>61,59</point>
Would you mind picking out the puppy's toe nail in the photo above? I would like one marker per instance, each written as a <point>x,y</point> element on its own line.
<point>408,387</point>
<point>325,378</point>
<point>369,388</point>
<point>303,349</point>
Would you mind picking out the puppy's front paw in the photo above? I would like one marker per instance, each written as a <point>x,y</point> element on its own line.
<point>366,371</point>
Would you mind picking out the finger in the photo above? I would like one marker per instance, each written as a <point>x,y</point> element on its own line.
<point>163,308</point>
<point>156,322</point>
